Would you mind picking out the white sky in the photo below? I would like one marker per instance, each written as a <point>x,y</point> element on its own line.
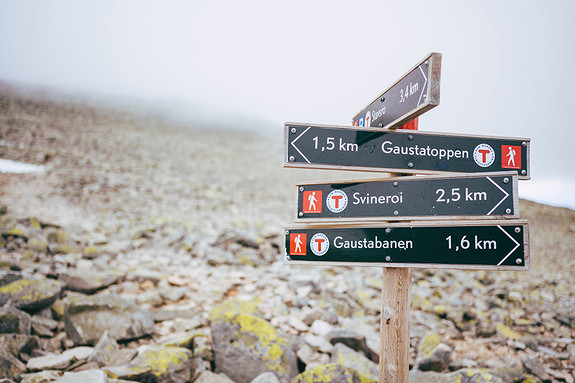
<point>507,66</point>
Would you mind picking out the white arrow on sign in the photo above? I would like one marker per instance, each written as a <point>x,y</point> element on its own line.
<point>296,148</point>
<point>512,250</point>
<point>503,199</point>
<point>423,87</point>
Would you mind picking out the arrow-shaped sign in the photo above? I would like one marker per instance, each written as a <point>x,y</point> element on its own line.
<point>501,245</point>
<point>401,151</point>
<point>414,93</point>
<point>487,196</point>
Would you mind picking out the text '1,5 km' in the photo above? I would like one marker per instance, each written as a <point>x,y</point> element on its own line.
<point>400,151</point>
<point>496,245</point>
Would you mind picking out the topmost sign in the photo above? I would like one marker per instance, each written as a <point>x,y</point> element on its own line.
<point>412,95</point>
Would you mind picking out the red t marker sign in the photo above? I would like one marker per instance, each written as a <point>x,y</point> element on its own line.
<point>319,241</point>
<point>484,153</point>
<point>336,198</point>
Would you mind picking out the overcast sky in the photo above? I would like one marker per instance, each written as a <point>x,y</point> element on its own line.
<point>507,67</point>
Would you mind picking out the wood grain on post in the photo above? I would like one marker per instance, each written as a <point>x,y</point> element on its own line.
<point>394,328</point>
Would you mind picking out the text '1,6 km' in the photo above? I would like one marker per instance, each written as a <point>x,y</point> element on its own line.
<point>496,245</point>
<point>400,151</point>
<point>486,196</point>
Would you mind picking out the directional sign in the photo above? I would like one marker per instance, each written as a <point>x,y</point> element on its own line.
<point>496,245</point>
<point>490,196</point>
<point>401,151</point>
<point>413,94</point>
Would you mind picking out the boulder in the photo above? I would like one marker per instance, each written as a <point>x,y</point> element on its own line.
<point>59,361</point>
<point>433,355</point>
<point>159,364</point>
<point>13,321</point>
<point>30,295</point>
<point>105,350</point>
<point>88,317</point>
<point>365,369</point>
<point>88,284</point>
<point>88,376</point>
<point>16,344</point>
<point>461,376</point>
<point>350,338</point>
<point>246,345</point>
<point>210,377</point>
<point>10,366</point>
<point>333,373</point>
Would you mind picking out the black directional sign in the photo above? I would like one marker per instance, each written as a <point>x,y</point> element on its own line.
<point>402,151</point>
<point>489,196</point>
<point>413,94</point>
<point>496,245</point>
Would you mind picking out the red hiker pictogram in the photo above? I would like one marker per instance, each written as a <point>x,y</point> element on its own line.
<point>312,201</point>
<point>511,157</point>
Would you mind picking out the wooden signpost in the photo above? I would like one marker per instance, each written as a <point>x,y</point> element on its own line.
<point>464,216</point>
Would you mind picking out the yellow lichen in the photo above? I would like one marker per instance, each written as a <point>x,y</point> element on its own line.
<point>507,331</point>
<point>429,343</point>
<point>324,374</point>
<point>90,250</point>
<point>160,360</point>
<point>233,306</point>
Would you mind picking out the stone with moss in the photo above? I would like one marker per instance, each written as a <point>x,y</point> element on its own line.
<point>366,370</point>
<point>507,331</point>
<point>460,376</point>
<point>86,318</point>
<point>16,344</point>
<point>433,355</point>
<point>10,366</point>
<point>328,373</point>
<point>160,364</point>
<point>30,295</point>
<point>246,345</point>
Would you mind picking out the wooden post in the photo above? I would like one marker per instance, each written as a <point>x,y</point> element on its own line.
<point>394,328</point>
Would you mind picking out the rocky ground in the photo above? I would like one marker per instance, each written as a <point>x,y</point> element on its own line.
<point>151,251</point>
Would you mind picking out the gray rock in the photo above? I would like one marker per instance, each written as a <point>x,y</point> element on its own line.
<point>210,377</point>
<point>307,355</point>
<point>535,367</point>
<point>45,376</point>
<point>10,366</point>
<point>460,376</point>
<point>350,338</point>
<point>14,321</point>
<point>87,318</point>
<point>318,343</point>
<point>246,346</point>
<point>7,276</point>
<point>88,283</point>
<point>174,294</point>
<point>105,350</point>
<point>433,355</point>
<point>44,326</point>
<point>321,328</point>
<point>266,377</point>
<point>88,376</point>
<point>30,295</point>
<point>347,357</point>
<point>51,362</point>
<point>158,364</point>
<point>16,344</point>
<point>333,373</point>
